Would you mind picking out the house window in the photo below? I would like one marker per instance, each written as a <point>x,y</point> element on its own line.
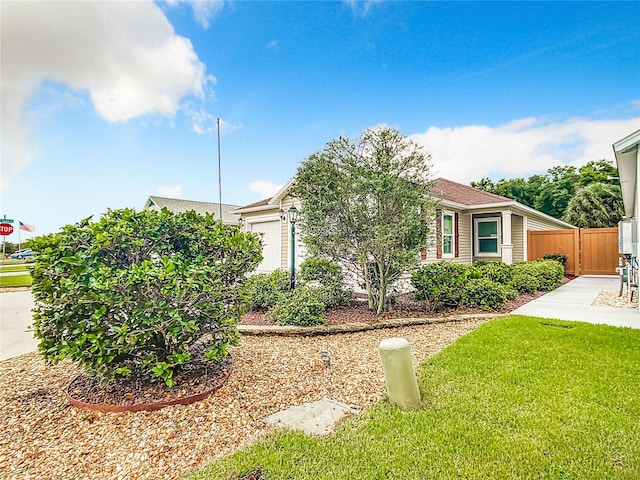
<point>487,237</point>
<point>448,235</point>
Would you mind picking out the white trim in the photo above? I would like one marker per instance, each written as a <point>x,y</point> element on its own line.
<point>452,234</point>
<point>628,142</point>
<point>476,239</point>
<point>525,241</point>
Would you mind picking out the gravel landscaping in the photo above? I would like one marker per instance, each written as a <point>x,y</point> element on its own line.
<point>46,438</point>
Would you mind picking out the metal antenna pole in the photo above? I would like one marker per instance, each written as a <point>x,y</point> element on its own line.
<point>219,174</point>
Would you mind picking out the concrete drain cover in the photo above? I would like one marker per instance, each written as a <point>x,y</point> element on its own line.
<point>314,418</point>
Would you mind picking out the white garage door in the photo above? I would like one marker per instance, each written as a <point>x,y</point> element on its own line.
<point>271,244</point>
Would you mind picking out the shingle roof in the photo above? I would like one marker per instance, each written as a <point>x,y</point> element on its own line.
<point>446,190</point>
<point>258,204</point>
<point>179,206</point>
<point>464,194</point>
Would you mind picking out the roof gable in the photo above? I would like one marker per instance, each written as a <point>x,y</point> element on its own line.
<point>180,206</point>
<point>463,194</point>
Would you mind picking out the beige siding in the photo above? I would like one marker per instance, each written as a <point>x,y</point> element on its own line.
<point>537,223</point>
<point>517,238</point>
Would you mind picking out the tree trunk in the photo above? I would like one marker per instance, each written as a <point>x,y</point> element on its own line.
<point>382,296</point>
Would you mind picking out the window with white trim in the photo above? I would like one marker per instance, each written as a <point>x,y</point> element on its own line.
<point>448,235</point>
<point>487,237</point>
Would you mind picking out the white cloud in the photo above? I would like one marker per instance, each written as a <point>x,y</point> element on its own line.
<point>126,55</point>
<point>273,44</point>
<point>265,188</point>
<point>203,10</point>
<point>171,192</point>
<point>520,148</point>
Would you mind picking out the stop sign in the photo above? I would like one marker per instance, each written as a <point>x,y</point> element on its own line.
<point>6,229</point>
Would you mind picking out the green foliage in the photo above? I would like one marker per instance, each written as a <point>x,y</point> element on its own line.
<point>484,293</point>
<point>558,257</point>
<point>597,205</point>
<point>560,193</point>
<point>304,306</point>
<point>328,275</point>
<point>263,290</point>
<point>525,282</point>
<point>547,273</point>
<point>440,284</point>
<point>367,202</point>
<point>131,293</point>
<point>496,271</point>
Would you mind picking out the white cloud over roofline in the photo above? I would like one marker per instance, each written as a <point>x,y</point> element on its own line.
<point>520,148</point>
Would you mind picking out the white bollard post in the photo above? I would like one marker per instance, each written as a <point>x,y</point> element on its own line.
<point>400,379</point>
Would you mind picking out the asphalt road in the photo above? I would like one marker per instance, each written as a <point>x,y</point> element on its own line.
<point>16,338</point>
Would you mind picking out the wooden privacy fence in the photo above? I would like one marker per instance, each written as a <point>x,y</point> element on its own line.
<point>589,251</point>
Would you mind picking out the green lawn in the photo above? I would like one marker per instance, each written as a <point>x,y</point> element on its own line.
<point>519,397</point>
<point>15,281</point>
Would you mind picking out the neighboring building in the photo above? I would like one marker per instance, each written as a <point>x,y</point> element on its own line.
<point>471,225</point>
<point>180,206</point>
<point>627,159</point>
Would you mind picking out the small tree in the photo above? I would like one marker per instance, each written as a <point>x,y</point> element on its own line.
<point>134,292</point>
<point>366,204</point>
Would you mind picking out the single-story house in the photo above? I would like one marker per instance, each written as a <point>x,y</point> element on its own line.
<point>471,225</point>
<point>177,205</point>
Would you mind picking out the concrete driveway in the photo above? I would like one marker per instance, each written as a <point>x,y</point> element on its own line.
<point>16,337</point>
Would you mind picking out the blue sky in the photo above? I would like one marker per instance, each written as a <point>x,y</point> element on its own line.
<point>106,103</point>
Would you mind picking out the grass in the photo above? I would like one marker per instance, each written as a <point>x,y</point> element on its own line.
<point>15,281</point>
<point>519,397</point>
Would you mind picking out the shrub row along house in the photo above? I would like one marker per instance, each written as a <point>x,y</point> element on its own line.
<point>471,225</point>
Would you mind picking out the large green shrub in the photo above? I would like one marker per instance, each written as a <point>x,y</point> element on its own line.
<point>548,273</point>
<point>558,257</point>
<point>496,271</point>
<point>303,307</point>
<point>525,282</point>
<point>328,275</point>
<point>484,293</point>
<point>131,293</point>
<point>440,284</point>
<point>263,290</point>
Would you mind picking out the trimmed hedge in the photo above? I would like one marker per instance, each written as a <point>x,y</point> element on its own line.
<point>264,290</point>
<point>328,275</point>
<point>485,284</point>
<point>440,284</point>
<point>302,307</point>
<point>132,293</point>
<point>485,294</point>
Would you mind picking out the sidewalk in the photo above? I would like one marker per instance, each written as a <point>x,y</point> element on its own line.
<point>15,320</point>
<point>573,301</point>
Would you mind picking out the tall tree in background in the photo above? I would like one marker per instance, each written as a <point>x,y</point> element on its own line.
<point>553,192</point>
<point>366,204</point>
<point>597,205</point>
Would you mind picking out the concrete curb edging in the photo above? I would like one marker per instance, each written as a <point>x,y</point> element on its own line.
<point>355,327</point>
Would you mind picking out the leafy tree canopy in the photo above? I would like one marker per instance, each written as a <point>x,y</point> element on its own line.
<point>366,204</point>
<point>553,192</point>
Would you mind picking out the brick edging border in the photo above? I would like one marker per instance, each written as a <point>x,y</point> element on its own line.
<point>292,331</point>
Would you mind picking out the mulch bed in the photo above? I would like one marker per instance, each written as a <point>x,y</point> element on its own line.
<point>196,379</point>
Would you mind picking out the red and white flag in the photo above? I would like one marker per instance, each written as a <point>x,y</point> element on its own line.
<point>27,228</point>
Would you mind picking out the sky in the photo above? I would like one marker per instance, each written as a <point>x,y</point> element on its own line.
<point>106,103</point>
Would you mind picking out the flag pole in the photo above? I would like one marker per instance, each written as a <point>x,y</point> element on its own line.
<point>219,174</point>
